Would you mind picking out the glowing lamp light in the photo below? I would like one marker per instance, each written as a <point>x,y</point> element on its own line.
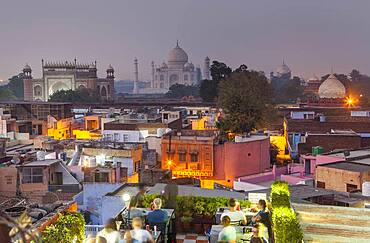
<point>126,197</point>
<point>169,162</point>
<point>350,101</point>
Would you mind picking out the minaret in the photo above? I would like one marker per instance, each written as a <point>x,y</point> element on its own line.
<point>207,68</point>
<point>153,71</point>
<point>136,82</point>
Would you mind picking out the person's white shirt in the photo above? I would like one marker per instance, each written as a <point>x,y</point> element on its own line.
<point>141,235</point>
<point>236,216</point>
<point>112,236</point>
<point>227,234</point>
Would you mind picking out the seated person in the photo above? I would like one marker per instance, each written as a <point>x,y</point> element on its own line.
<point>157,215</point>
<point>110,233</point>
<point>138,200</point>
<point>263,217</point>
<point>228,232</point>
<point>256,238</point>
<point>236,216</point>
<point>139,234</point>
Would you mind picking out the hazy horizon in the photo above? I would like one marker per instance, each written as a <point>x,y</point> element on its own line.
<point>311,36</point>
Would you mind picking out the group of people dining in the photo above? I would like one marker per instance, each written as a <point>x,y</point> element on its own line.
<point>138,233</point>
<point>260,222</point>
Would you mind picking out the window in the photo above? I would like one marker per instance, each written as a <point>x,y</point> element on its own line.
<point>192,77</point>
<point>351,187</point>
<point>182,157</point>
<point>32,175</point>
<point>125,137</point>
<point>116,137</point>
<point>186,77</point>
<point>161,78</point>
<point>194,157</point>
<point>320,184</point>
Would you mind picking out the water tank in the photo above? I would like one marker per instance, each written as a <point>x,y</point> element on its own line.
<point>322,119</point>
<point>366,189</point>
<point>40,155</point>
<point>160,132</point>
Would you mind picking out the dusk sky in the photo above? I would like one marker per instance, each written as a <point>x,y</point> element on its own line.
<point>311,36</point>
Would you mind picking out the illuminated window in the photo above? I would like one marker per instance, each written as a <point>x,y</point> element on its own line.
<point>182,157</point>
<point>194,157</point>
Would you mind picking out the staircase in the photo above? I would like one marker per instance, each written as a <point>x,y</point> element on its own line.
<point>333,224</point>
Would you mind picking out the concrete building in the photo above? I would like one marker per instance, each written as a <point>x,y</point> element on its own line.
<point>246,156</point>
<point>67,76</point>
<point>344,176</point>
<point>32,116</point>
<point>189,153</point>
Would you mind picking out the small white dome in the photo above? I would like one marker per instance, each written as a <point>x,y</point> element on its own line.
<point>283,69</point>
<point>332,88</point>
<point>177,56</point>
<point>27,67</point>
<point>164,65</point>
<point>189,65</point>
<point>110,67</point>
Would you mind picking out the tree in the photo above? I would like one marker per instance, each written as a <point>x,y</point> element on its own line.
<point>16,85</point>
<point>209,88</point>
<point>6,93</point>
<point>244,98</point>
<point>181,90</point>
<point>355,75</point>
<point>78,96</point>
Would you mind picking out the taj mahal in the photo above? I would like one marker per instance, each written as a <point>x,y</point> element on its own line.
<point>177,70</point>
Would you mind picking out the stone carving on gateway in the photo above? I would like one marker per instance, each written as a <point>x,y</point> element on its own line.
<point>64,76</point>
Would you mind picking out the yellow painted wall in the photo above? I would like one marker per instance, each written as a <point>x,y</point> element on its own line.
<point>199,124</point>
<point>83,134</point>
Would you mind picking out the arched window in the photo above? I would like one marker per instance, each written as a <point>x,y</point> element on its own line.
<point>37,90</point>
<point>173,79</point>
<point>81,87</point>
<point>186,77</point>
<point>103,91</point>
<point>108,89</point>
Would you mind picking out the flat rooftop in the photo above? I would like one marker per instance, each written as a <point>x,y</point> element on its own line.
<point>350,166</point>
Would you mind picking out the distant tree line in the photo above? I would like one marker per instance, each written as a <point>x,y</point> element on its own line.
<point>13,90</point>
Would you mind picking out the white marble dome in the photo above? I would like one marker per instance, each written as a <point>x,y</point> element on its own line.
<point>332,88</point>
<point>283,69</point>
<point>177,56</point>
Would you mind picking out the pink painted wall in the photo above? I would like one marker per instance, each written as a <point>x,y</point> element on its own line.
<point>320,159</point>
<point>234,160</point>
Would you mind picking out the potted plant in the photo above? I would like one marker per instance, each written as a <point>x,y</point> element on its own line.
<point>199,209</point>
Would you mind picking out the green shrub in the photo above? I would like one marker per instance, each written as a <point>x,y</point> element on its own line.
<point>190,205</point>
<point>67,227</point>
<point>286,226</point>
<point>280,195</point>
<point>285,223</point>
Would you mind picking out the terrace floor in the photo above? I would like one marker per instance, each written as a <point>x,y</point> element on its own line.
<point>191,238</point>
